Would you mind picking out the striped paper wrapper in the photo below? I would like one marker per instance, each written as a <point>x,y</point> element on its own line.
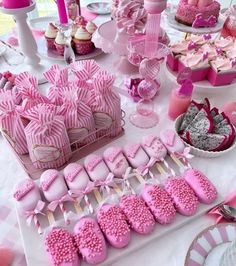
<point>11,124</point>
<point>47,139</point>
<point>229,256</point>
<point>78,116</point>
<point>106,105</point>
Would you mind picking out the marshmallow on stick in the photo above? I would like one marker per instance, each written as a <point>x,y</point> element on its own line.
<point>55,191</point>
<point>29,201</point>
<point>90,240</point>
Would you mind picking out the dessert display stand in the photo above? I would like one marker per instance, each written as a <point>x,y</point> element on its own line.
<point>27,42</point>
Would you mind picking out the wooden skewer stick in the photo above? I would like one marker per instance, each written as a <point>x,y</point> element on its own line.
<point>77,207</point>
<point>176,160</point>
<point>51,219</point>
<point>97,195</point>
<point>160,169</point>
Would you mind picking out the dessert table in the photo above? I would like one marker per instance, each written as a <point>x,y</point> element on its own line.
<point>171,249</point>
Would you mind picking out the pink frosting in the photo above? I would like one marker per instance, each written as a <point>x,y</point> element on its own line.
<point>24,188</point>
<point>180,47</point>
<point>225,43</point>
<point>71,176</point>
<point>223,64</point>
<point>113,154</point>
<point>132,150</point>
<point>52,176</point>
<point>149,140</point>
<point>93,163</point>
<point>210,50</point>
<point>195,60</point>
<point>169,138</point>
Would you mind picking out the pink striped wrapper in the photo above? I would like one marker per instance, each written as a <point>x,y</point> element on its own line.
<point>11,124</point>
<point>78,116</point>
<point>106,105</point>
<point>59,79</point>
<point>47,139</point>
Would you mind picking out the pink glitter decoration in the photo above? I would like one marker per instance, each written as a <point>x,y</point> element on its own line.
<point>71,176</point>
<point>132,150</point>
<point>113,222</point>
<point>112,156</point>
<point>60,244</point>
<point>192,45</point>
<point>47,183</point>
<point>200,21</point>
<point>20,193</point>
<point>183,196</point>
<point>138,215</point>
<point>91,165</point>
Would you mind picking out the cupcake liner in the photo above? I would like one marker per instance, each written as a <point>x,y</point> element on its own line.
<point>50,43</point>
<point>83,47</point>
<point>60,48</point>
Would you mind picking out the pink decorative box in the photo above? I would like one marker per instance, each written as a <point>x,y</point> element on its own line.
<point>220,78</point>
<point>197,74</point>
<point>173,62</point>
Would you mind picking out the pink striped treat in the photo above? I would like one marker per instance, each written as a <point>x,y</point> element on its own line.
<point>202,186</point>
<point>137,213</point>
<point>96,167</point>
<point>60,248</point>
<point>185,201</point>
<point>160,203</point>
<point>136,155</point>
<point>90,241</point>
<point>113,223</point>
<point>116,161</point>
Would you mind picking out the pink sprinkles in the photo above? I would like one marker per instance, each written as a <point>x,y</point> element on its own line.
<point>113,222</point>
<point>88,238</point>
<point>45,185</point>
<point>60,244</point>
<point>161,205</point>
<point>137,213</point>
<point>20,193</point>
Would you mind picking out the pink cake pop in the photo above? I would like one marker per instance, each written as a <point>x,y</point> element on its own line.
<point>172,141</point>
<point>137,213</point>
<point>113,223</point>
<point>78,182</point>
<point>60,248</point>
<point>29,202</point>
<point>90,241</point>
<point>202,186</point>
<point>55,191</point>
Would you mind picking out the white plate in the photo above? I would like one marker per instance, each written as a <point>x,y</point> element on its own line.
<point>184,28</point>
<point>40,24</point>
<point>2,49</point>
<point>101,8</point>
<point>208,247</point>
<point>43,51</point>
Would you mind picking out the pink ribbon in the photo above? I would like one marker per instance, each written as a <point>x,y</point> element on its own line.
<point>184,154</point>
<point>85,70</point>
<point>108,181</point>
<point>143,170</point>
<point>56,76</point>
<point>78,193</point>
<point>53,205</point>
<point>38,210</point>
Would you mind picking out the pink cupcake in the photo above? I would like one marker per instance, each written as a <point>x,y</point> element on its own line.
<point>82,41</point>
<point>226,44</point>
<point>50,36</point>
<point>91,27</point>
<point>60,44</point>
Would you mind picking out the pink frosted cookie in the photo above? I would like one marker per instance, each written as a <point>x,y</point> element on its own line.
<point>202,186</point>
<point>90,241</point>
<point>160,203</point>
<point>60,248</point>
<point>154,147</point>
<point>136,155</point>
<point>185,201</point>
<point>76,177</point>
<point>116,161</point>
<point>113,223</point>
<point>27,195</point>
<point>96,167</point>
<point>172,141</point>
<point>137,213</point>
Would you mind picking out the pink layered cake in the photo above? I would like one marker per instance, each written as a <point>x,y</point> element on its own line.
<point>188,12</point>
<point>185,200</point>
<point>202,186</point>
<point>160,203</point>
<point>137,213</point>
<point>90,241</point>
<point>60,248</point>
<point>113,224</point>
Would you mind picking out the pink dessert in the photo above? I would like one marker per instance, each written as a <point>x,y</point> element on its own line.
<point>75,176</point>
<point>154,147</point>
<point>60,248</point>
<point>230,110</point>
<point>187,11</point>
<point>116,161</point>
<point>160,203</point>
<point>90,241</point>
<point>172,141</point>
<point>185,201</point>
<point>201,185</point>
<point>136,155</point>
<point>137,213</point>
<point>27,195</point>
<point>96,167</point>
<point>113,224</point>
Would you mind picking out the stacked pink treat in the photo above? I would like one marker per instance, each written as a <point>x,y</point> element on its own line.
<point>113,221</point>
<point>209,59</point>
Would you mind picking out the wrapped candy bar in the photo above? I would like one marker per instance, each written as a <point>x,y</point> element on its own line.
<point>59,79</point>
<point>106,105</point>
<point>12,127</point>
<point>78,116</point>
<point>47,139</point>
